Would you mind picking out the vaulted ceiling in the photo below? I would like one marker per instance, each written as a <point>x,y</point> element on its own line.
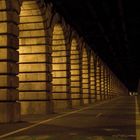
<point>112,29</point>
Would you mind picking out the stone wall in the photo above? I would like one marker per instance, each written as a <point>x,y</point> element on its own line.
<point>45,65</point>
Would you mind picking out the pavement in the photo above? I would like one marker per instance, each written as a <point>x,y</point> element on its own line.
<point>115,119</point>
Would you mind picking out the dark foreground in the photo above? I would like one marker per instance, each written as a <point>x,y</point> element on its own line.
<point>109,120</point>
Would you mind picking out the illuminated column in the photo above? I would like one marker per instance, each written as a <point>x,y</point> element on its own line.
<point>59,69</point>
<point>68,65</point>
<point>105,81</point>
<point>105,93</point>
<point>89,91</point>
<point>35,59</point>
<point>85,77</point>
<point>95,75</point>
<point>75,73</point>
<point>98,80</point>
<point>102,81</point>
<point>114,86</point>
<point>106,84</point>
<point>109,86</point>
<point>92,79</point>
<point>107,77</point>
<point>81,71</point>
<point>9,108</point>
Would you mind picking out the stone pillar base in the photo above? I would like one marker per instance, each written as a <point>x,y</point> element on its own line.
<point>75,99</point>
<point>60,105</point>
<point>35,107</point>
<point>9,112</point>
<point>76,102</point>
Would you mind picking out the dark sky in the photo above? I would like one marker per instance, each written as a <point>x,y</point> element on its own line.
<point>112,29</point>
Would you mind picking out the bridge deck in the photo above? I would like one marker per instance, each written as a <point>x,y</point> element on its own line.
<point>115,119</point>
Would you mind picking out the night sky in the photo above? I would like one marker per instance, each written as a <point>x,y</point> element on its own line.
<point>112,29</point>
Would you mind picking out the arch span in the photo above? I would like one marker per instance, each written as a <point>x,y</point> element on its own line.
<point>85,76</point>
<point>98,80</point>
<point>59,69</point>
<point>75,73</point>
<point>92,79</point>
<point>34,69</point>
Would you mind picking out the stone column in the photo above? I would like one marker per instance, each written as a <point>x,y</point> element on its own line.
<point>80,73</point>
<point>95,75</point>
<point>105,79</point>
<point>98,80</point>
<point>75,73</point>
<point>85,78</point>
<point>102,81</point>
<point>35,59</point>
<point>59,69</point>
<point>92,78</point>
<point>9,107</point>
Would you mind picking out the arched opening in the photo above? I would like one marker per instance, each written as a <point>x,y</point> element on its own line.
<point>75,73</point>
<point>102,82</point>
<point>98,80</point>
<point>92,79</point>
<point>85,77</point>
<point>109,84</point>
<point>106,84</point>
<point>59,69</point>
<point>33,69</point>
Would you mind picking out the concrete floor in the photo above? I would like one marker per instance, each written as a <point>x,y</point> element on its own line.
<point>110,120</point>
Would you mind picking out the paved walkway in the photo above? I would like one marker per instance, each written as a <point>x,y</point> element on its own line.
<point>117,119</point>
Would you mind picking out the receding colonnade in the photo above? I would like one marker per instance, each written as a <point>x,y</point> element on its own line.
<point>45,65</point>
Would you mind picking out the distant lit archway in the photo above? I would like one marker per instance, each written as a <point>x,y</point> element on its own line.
<point>75,73</point>
<point>98,80</point>
<point>106,84</point>
<point>85,77</point>
<point>33,70</point>
<point>102,81</point>
<point>59,68</point>
<point>92,79</point>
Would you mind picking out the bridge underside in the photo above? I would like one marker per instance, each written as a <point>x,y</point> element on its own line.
<point>45,66</point>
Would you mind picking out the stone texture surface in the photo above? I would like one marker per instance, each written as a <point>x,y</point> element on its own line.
<point>44,65</point>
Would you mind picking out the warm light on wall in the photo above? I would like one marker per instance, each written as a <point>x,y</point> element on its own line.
<point>98,81</point>
<point>32,59</point>
<point>59,69</point>
<point>59,66</point>
<point>75,73</point>
<point>85,77</point>
<point>56,70</point>
<point>102,81</point>
<point>92,78</point>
